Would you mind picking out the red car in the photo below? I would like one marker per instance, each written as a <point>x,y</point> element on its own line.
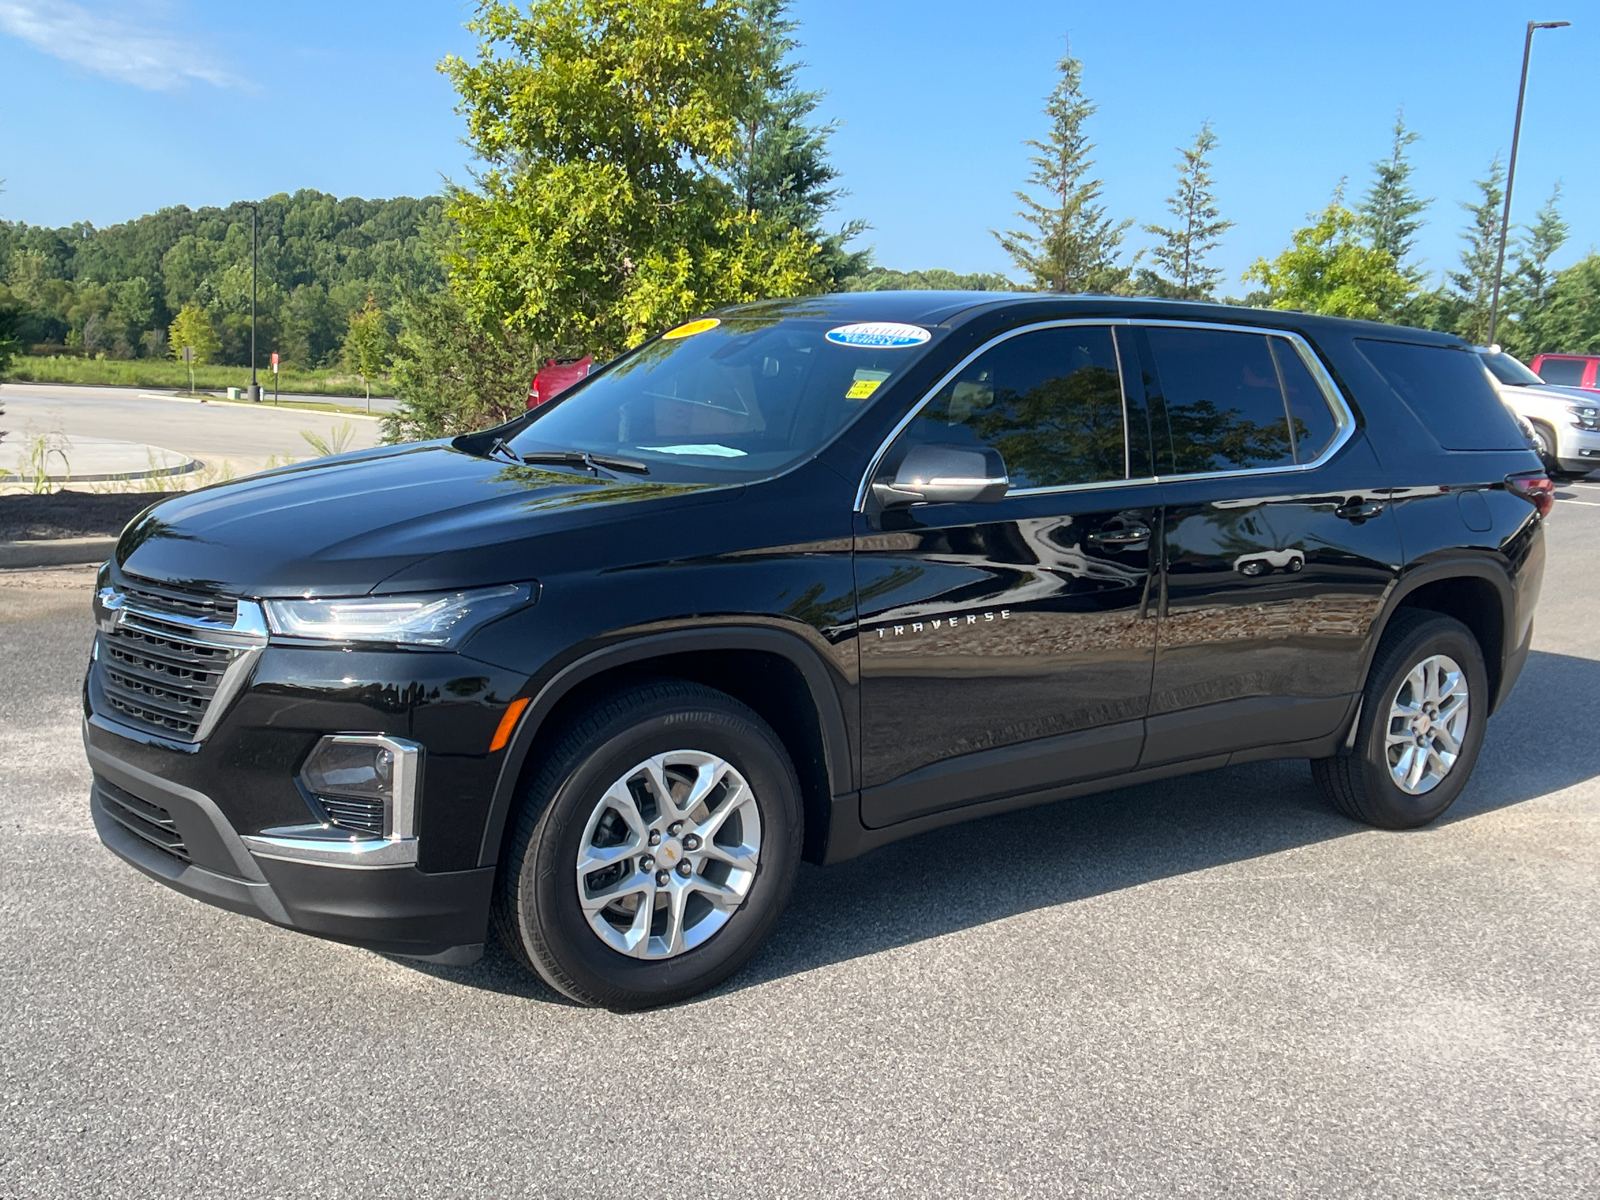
<point>1568,370</point>
<point>556,376</point>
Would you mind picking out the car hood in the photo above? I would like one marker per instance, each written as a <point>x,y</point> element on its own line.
<point>344,525</point>
<point>1551,394</point>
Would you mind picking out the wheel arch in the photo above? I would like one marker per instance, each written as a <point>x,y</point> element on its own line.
<point>1478,593</point>
<point>778,674</point>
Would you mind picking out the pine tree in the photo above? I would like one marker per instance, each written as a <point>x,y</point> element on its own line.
<point>1474,282</point>
<point>780,168</point>
<point>1527,292</point>
<point>1392,208</point>
<point>1198,229</point>
<point>1072,246</point>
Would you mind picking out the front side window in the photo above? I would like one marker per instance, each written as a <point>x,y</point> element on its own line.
<point>1563,372</point>
<point>741,398</point>
<point>1049,401</point>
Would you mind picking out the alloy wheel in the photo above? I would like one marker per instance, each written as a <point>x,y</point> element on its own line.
<point>668,854</point>
<point>1427,724</point>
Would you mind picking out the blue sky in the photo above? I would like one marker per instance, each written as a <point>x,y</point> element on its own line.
<point>112,109</point>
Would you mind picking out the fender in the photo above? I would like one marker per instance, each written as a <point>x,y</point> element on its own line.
<point>818,678</point>
<point>1494,570</point>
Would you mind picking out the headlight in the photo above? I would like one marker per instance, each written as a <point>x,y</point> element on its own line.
<point>439,619</point>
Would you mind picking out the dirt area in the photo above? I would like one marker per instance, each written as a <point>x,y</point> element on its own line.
<point>39,592</point>
<point>68,514</point>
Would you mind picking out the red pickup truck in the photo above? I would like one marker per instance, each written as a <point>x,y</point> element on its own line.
<point>556,376</point>
<point>1568,370</point>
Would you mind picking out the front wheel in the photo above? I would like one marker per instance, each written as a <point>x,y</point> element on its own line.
<point>653,850</point>
<point>1420,728</point>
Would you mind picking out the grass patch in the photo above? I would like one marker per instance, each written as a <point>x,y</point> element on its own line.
<point>159,373</point>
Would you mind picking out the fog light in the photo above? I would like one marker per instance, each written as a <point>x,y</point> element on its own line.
<point>365,783</point>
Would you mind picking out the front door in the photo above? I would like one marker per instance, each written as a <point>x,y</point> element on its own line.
<point>1279,548</point>
<point>1007,646</point>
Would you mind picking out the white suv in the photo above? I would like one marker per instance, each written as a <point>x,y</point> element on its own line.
<point>1565,420</point>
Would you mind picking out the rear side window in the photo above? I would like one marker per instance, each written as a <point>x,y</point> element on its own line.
<point>1225,405</point>
<point>1049,401</point>
<point>1563,372</point>
<point>1449,391</point>
<point>1311,421</point>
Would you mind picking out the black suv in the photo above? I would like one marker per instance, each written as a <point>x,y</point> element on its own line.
<point>793,581</point>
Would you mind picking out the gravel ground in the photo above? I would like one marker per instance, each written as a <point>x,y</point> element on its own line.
<point>1206,987</point>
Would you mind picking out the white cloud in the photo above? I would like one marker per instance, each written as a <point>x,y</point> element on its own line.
<point>151,59</point>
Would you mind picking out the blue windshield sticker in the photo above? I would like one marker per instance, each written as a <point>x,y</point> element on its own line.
<point>879,335</point>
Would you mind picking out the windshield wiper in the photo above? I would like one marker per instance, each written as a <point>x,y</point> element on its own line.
<point>500,446</point>
<point>582,458</point>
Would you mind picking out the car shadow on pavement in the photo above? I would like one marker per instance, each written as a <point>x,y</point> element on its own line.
<point>984,871</point>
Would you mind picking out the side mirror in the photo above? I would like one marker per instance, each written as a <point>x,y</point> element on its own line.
<point>939,474</point>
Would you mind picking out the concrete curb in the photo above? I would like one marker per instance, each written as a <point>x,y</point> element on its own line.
<point>57,552</point>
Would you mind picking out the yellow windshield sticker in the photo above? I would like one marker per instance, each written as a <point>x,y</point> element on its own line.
<point>692,328</point>
<point>862,388</point>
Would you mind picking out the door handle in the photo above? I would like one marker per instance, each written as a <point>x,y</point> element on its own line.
<point>1357,509</point>
<point>1126,536</point>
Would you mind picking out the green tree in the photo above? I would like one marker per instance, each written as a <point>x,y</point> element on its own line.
<point>780,165</point>
<point>1570,321</point>
<point>882,279</point>
<point>367,345</point>
<point>1474,282</point>
<point>1391,210</point>
<point>454,373</point>
<point>1197,231</point>
<point>192,327</point>
<point>11,318</point>
<point>1072,245</point>
<point>1528,290</point>
<point>607,128</point>
<point>1330,268</point>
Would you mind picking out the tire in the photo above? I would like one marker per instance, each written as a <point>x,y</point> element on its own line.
<point>570,805</point>
<point>1360,782</point>
<point>1546,438</point>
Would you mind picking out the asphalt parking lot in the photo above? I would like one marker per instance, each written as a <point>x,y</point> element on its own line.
<point>1205,987</point>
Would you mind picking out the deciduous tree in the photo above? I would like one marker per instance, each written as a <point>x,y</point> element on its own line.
<point>192,327</point>
<point>367,344</point>
<point>1072,245</point>
<point>1330,268</point>
<point>604,213</point>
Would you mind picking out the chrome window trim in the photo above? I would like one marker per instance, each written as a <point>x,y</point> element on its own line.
<point>1343,417</point>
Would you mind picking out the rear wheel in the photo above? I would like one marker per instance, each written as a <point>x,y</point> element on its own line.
<point>1420,728</point>
<point>654,849</point>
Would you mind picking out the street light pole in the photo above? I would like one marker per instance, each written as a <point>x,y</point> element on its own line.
<point>1511,171</point>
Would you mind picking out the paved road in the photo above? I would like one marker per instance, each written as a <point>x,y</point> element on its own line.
<point>243,437</point>
<point>1207,987</point>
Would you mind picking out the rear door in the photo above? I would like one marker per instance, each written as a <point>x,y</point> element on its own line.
<point>1279,545</point>
<point>1007,646</point>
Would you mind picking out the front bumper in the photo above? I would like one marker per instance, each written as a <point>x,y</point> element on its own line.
<point>179,837</point>
<point>1578,450</point>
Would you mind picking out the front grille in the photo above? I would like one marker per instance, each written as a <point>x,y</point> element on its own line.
<point>162,660</point>
<point>198,606</point>
<point>144,820</point>
<point>362,816</point>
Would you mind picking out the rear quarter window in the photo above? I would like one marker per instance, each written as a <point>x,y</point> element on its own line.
<point>1448,390</point>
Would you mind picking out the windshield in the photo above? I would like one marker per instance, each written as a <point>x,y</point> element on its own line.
<point>1508,370</point>
<point>733,399</point>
